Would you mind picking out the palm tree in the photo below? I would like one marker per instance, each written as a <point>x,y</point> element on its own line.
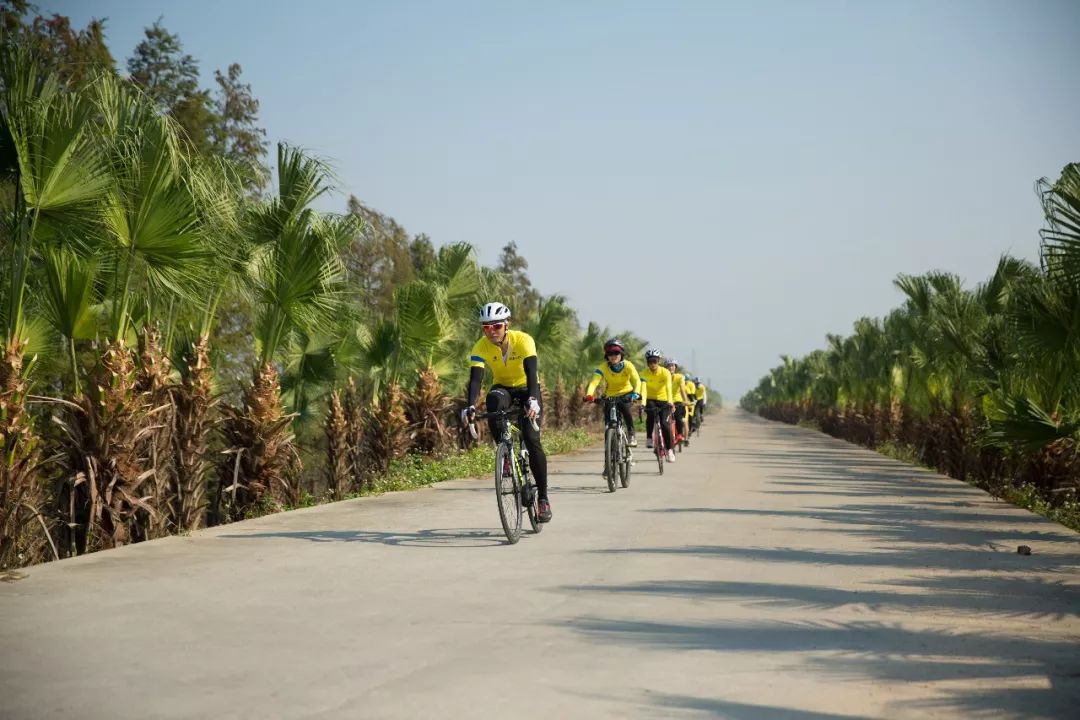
<point>151,250</point>
<point>49,155</point>
<point>296,278</point>
<point>1043,411</point>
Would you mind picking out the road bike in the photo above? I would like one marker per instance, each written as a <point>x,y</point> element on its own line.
<point>515,489</point>
<point>658,436</point>
<point>618,458</point>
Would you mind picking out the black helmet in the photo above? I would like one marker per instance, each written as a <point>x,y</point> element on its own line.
<point>613,345</point>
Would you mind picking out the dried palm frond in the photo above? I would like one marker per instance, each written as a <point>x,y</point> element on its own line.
<point>260,459</point>
<point>23,532</point>
<point>191,440</point>
<point>336,427</point>
<point>427,412</point>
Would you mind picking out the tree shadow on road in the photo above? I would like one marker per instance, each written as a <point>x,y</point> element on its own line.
<point>449,537</point>
<point>899,517</point>
<point>1015,597</point>
<point>963,559</point>
<point>713,707</point>
<point>887,652</point>
<point>894,522</point>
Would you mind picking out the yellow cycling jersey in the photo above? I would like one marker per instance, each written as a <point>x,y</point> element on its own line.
<point>616,383</point>
<point>691,388</point>
<point>702,394</point>
<point>508,371</point>
<point>677,382</point>
<point>657,385</point>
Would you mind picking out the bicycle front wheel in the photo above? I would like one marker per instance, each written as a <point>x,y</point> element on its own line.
<point>508,492</point>
<point>611,450</point>
<point>658,448</point>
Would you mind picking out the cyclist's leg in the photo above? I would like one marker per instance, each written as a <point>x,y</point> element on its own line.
<point>680,413</point>
<point>665,423</point>
<point>531,438</point>
<point>650,417</point>
<point>498,398</point>
<point>628,418</point>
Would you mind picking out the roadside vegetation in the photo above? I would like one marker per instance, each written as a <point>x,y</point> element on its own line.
<point>187,340</point>
<point>980,383</point>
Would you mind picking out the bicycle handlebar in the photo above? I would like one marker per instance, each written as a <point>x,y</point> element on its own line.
<point>509,414</point>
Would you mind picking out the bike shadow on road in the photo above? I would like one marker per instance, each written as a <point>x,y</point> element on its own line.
<point>442,537</point>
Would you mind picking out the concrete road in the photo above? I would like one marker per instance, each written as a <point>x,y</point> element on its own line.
<point>771,573</point>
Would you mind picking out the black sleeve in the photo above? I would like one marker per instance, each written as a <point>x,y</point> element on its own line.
<point>476,377</point>
<point>531,377</point>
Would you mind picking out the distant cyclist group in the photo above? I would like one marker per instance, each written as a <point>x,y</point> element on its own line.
<point>673,400</point>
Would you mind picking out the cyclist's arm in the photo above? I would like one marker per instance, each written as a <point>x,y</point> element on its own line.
<point>476,378</point>
<point>532,380</point>
<point>597,376</point>
<point>635,383</point>
<point>670,394</point>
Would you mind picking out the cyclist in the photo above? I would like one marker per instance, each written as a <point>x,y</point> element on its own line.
<point>702,397</point>
<point>678,386</point>
<point>691,402</point>
<point>511,355</point>
<point>657,394</point>
<point>621,383</point>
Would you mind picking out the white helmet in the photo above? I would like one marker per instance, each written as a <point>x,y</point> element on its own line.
<point>494,312</point>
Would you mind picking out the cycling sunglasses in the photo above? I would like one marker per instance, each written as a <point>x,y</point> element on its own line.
<point>491,327</point>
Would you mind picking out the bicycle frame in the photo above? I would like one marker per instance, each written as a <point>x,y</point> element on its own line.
<point>658,444</point>
<point>510,433</point>
<point>612,416</point>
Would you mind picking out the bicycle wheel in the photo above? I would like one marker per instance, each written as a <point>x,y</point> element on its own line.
<point>611,448</point>
<point>624,472</point>
<point>508,492</point>
<point>532,498</point>
<point>658,448</point>
<point>534,511</point>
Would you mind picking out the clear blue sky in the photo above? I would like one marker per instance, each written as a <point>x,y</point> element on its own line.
<point>732,180</point>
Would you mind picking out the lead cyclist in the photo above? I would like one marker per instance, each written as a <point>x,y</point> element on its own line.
<point>511,355</point>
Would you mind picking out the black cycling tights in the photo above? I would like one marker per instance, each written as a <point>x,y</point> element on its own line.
<point>499,399</point>
<point>664,411</point>
<point>680,415</point>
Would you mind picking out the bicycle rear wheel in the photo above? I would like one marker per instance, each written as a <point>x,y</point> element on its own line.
<point>611,448</point>
<point>532,496</point>
<point>508,492</point>
<point>534,514</point>
<point>658,447</point>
